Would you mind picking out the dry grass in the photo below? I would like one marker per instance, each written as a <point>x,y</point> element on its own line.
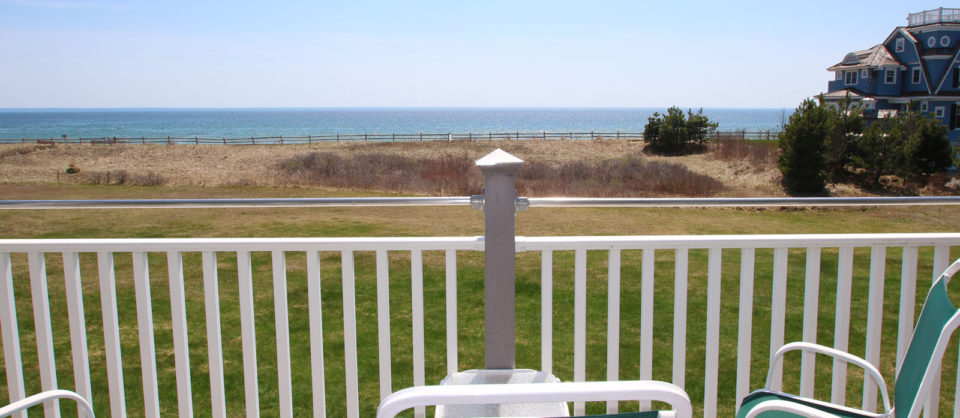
<point>214,166</point>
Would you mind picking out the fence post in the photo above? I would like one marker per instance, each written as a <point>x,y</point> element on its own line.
<point>499,213</point>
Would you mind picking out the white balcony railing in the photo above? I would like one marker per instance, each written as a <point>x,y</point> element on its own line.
<point>939,15</point>
<point>27,260</point>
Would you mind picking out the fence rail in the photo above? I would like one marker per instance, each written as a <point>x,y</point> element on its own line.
<point>376,137</point>
<point>634,270</point>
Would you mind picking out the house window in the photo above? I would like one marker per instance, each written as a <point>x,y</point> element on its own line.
<point>923,107</point>
<point>915,78</point>
<point>900,44</point>
<point>938,111</point>
<point>956,116</point>
<point>931,42</point>
<point>944,41</point>
<point>890,76</point>
<point>865,73</point>
<point>851,77</point>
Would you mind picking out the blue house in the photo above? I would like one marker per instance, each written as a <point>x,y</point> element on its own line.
<point>917,65</point>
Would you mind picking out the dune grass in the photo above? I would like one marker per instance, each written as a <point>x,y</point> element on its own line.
<point>270,222</point>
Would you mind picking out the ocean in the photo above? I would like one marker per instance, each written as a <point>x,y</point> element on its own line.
<point>244,123</point>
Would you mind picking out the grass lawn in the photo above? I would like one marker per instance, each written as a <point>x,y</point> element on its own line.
<point>456,221</point>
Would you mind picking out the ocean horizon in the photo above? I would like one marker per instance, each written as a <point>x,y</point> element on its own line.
<point>17,123</point>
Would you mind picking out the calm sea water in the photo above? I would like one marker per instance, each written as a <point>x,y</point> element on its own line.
<point>239,123</point>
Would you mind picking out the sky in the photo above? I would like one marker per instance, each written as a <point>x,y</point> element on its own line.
<point>453,53</point>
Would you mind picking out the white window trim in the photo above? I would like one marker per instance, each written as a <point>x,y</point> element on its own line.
<point>865,73</point>
<point>924,106</point>
<point>915,76</point>
<point>944,41</point>
<point>931,42</point>
<point>847,76</point>
<point>885,78</point>
<point>900,42</point>
<point>839,75</point>
<point>939,111</point>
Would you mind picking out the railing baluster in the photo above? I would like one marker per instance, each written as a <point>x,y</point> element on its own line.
<point>579,322</point>
<point>416,301</point>
<point>908,296</point>
<point>248,334</point>
<point>778,309</point>
<point>316,333</point>
<point>111,333</point>
<point>181,347</point>
<point>78,327</point>
<point>546,311</point>
<point>941,255</point>
<point>281,321</point>
<point>745,323</point>
<point>712,364</point>
<point>148,356</point>
<point>451,284</point>
<point>11,334</point>
<point>613,323</point>
<point>350,335</point>
<point>680,317</point>
<point>841,330</point>
<point>811,305</point>
<point>383,321</point>
<point>646,319</point>
<point>878,260</point>
<point>211,297</point>
<point>44,330</point>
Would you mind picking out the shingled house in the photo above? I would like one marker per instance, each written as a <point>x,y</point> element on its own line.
<point>917,65</point>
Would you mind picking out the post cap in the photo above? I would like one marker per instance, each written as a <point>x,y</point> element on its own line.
<point>499,158</point>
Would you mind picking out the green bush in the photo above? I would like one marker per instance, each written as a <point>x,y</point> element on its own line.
<point>674,133</point>
<point>802,159</point>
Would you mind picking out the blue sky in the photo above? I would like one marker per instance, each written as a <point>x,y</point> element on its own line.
<point>135,53</point>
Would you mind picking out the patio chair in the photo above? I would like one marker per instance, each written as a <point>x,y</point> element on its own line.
<point>83,406</point>
<point>937,322</point>
<point>532,393</point>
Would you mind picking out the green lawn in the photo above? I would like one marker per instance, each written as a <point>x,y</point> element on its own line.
<point>343,222</point>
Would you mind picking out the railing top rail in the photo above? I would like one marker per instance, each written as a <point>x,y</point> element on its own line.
<point>477,199</point>
<point>741,202</point>
<point>241,244</point>
<point>234,203</point>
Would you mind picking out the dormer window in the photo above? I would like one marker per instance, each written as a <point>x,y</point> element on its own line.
<point>899,47</point>
<point>915,76</point>
<point>851,77</point>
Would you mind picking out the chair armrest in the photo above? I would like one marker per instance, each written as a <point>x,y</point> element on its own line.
<point>536,393</point>
<point>869,369</point>
<point>785,406</point>
<point>82,405</point>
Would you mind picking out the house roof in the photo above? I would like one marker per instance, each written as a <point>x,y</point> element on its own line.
<point>878,56</point>
<point>839,94</point>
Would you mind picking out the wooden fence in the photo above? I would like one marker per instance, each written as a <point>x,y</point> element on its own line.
<point>392,137</point>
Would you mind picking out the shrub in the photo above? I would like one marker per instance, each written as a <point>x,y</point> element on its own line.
<point>802,159</point>
<point>846,127</point>
<point>674,133</point>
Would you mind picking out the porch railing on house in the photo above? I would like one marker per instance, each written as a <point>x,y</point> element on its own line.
<point>663,291</point>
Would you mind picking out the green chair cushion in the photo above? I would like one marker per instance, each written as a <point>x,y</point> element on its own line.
<point>762,395</point>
